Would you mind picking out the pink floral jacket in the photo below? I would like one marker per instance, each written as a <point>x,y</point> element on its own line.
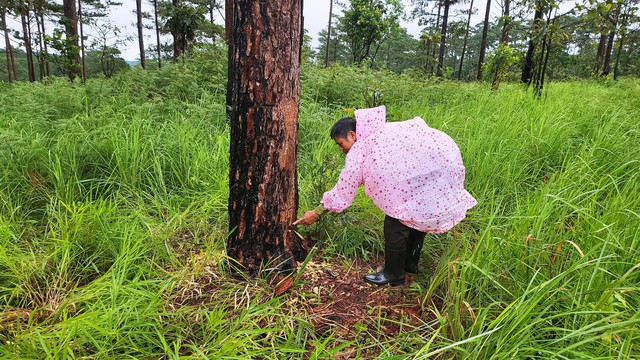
<point>411,172</point>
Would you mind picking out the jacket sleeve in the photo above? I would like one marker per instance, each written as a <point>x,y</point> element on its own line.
<point>351,177</point>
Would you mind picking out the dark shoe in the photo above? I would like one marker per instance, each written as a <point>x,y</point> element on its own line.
<point>381,278</point>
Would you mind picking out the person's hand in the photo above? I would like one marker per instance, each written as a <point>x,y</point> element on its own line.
<point>308,218</point>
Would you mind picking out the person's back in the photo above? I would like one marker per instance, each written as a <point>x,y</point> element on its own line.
<point>412,172</point>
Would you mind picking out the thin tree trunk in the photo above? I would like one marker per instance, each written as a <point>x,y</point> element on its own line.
<point>34,54</point>
<point>213,36</point>
<point>262,103</point>
<point>82,52</point>
<point>328,42</point>
<point>437,29</point>
<point>428,66</point>
<point>46,49</point>
<point>606,68</point>
<point>600,54</point>
<point>24,14</point>
<point>143,62</point>
<point>483,44</point>
<point>504,38</point>
<point>464,44</point>
<point>443,38</point>
<point>7,41</point>
<point>71,27</point>
<point>155,11</point>
<point>528,60</point>
<point>178,37</point>
<point>36,14</point>
<point>623,26</point>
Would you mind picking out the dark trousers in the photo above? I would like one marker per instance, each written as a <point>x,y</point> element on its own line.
<point>402,245</point>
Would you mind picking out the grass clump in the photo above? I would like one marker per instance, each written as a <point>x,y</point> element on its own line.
<point>113,219</point>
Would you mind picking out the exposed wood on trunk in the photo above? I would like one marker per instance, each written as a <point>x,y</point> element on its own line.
<point>262,103</point>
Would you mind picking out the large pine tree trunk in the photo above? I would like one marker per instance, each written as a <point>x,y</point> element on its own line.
<point>143,61</point>
<point>71,28</point>
<point>483,44</point>
<point>262,103</point>
<point>7,41</point>
<point>443,38</point>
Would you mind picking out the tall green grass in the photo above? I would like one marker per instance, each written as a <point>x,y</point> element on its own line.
<point>113,219</point>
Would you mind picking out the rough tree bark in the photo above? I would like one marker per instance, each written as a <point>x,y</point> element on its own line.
<point>262,106</point>
<point>71,28</point>
<point>143,61</point>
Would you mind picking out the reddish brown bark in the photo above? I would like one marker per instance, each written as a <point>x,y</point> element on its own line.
<point>262,103</point>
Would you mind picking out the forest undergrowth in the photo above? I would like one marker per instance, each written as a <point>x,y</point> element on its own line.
<point>113,222</point>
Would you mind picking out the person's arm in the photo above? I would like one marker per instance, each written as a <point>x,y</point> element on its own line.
<point>351,177</point>
<point>343,193</point>
<point>311,216</point>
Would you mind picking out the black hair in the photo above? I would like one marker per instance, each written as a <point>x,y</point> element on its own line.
<point>342,127</point>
